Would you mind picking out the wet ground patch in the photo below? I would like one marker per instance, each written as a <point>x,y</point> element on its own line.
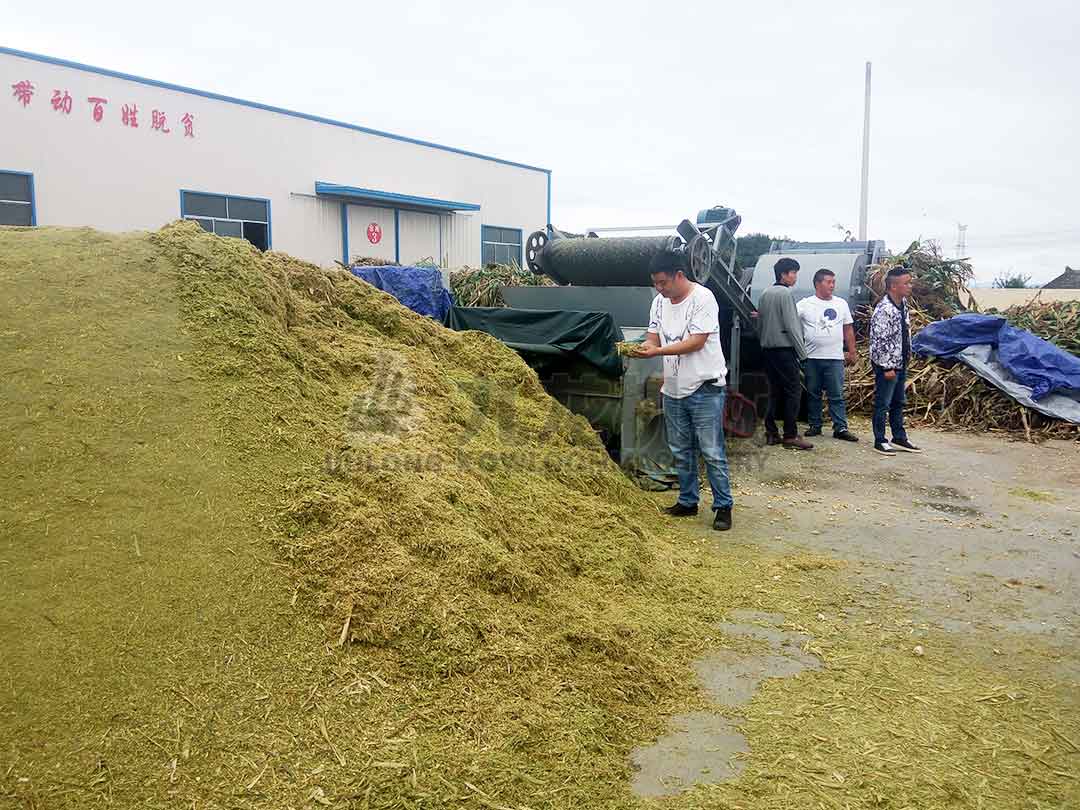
<point>703,748</point>
<point>938,492</point>
<point>958,510</point>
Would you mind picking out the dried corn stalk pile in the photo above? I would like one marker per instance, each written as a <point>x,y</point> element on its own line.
<point>479,286</point>
<point>1057,321</point>
<point>947,394</point>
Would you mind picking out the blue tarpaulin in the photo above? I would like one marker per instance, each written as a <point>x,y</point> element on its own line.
<point>419,288</point>
<point>947,338</point>
<point>1034,362</point>
<point>1029,369</point>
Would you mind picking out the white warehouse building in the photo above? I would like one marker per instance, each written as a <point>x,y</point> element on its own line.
<point>86,146</point>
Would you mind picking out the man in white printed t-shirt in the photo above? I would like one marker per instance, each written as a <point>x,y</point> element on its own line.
<point>684,329</point>
<point>830,343</point>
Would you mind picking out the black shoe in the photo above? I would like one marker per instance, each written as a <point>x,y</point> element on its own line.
<point>722,521</point>
<point>813,432</point>
<point>845,436</point>
<point>771,439</point>
<point>906,446</point>
<point>884,448</point>
<point>678,510</point>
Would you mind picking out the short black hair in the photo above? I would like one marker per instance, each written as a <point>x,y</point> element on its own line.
<point>785,265</point>
<point>668,262</point>
<point>821,274</point>
<point>895,273</point>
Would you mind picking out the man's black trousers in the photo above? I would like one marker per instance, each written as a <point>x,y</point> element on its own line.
<point>785,390</point>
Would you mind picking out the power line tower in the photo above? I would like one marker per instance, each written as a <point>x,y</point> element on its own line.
<point>961,241</point>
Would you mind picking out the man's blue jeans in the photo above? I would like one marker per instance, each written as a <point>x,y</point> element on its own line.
<point>696,423</point>
<point>889,401</point>
<point>827,374</point>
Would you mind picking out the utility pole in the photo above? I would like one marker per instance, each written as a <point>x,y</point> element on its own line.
<point>961,241</point>
<point>865,159</point>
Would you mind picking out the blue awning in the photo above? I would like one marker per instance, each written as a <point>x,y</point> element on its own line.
<point>387,199</point>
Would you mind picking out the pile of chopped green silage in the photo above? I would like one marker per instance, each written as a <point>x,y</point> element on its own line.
<point>276,541</point>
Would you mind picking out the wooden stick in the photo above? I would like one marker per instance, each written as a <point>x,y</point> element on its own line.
<point>345,627</point>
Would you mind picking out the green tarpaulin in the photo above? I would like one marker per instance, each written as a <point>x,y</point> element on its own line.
<point>590,336</point>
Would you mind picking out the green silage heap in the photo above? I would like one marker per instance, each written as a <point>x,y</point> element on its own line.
<point>226,464</point>
<point>269,539</point>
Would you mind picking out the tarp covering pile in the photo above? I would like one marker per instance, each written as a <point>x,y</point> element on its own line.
<point>591,336</point>
<point>1031,370</point>
<point>419,288</point>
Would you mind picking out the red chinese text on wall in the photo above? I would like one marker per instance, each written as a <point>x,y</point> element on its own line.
<point>24,92</point>
<point>99,107</point>
<point>62,102</point>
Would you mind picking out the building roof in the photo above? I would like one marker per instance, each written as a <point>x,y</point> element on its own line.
<point>1069,280</point>
<point>375,197</point>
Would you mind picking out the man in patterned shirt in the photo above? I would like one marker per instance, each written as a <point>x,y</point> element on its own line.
<point>890,349</point>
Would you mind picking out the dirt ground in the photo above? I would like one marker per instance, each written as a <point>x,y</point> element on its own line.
<point>982,533</point>
<point>977,537</point>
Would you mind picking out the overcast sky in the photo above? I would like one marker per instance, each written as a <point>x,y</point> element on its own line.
<point>647,112</point>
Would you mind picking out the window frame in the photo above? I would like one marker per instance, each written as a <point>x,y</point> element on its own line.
<point>269,214</point>
<point>520,244</point>
<point>33,197</point>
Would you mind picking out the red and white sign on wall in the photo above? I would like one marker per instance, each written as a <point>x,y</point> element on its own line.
<point>62,102</point>
<point>374,233</point>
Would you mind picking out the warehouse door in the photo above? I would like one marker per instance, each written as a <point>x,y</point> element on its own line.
<point>371,232</point>
<point>420,237</point>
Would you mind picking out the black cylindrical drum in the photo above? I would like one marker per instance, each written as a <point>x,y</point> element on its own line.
<point>615,262</point>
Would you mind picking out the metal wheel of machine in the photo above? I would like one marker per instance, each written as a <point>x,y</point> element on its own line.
<point>533,247</point>
<point>700,254</point>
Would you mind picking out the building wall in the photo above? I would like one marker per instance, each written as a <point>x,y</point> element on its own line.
<point>316,225</point>
<point>461,237</point>
<point>421,236</point>
<point>1005,298</point>
<point>116,177</point>
<point>361,218</point>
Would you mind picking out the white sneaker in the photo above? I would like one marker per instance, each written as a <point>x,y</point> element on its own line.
<point>906,446</point>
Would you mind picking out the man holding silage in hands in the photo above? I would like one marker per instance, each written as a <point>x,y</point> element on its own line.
<point>684,329</point>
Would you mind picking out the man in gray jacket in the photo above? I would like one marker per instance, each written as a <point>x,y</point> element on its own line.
<point>781,336</point>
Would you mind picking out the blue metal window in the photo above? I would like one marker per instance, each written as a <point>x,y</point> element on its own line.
<point>500,245</point>
<point>17,204</point>
<point>229,215</point>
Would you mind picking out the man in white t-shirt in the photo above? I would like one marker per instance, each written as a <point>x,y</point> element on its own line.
<point>829,335</point>
<point>684,329</point>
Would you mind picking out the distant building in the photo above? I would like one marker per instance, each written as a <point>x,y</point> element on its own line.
<point>1069,280</point>
<point>82,145</point>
